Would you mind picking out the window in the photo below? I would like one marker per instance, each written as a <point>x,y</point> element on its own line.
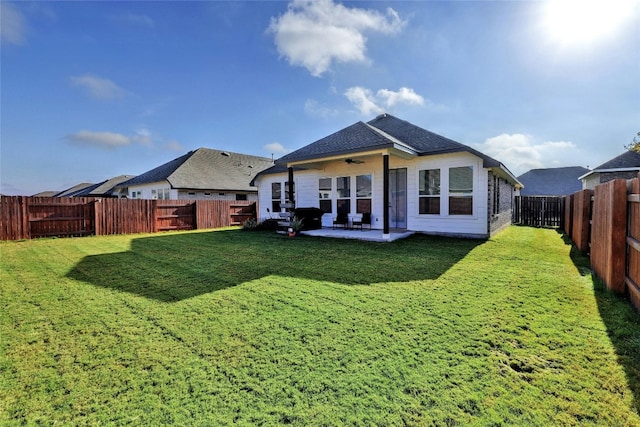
<point>363,194</point>
<point>343,186</point>
<point>241,197</point>
<point>324,186</point>
<point>496,195</point>
<point>276,195</point>
<point>287,194</point>
<point>461,191</point>
<point>136,194</point>
<point>161,194</point>
<point>429,193</point>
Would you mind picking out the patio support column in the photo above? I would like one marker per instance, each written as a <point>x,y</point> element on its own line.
<point>291,194</point>
<point>385,195</point>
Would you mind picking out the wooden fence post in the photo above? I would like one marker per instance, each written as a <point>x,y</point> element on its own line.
<point>632,278</point>
<point>581,218</point>
<point>608,234</point>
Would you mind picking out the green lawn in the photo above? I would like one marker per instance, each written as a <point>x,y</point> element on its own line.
<point>222,327</point>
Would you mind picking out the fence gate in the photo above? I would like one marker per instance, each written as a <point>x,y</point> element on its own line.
<point>62,218</point>
<point>538,211</point>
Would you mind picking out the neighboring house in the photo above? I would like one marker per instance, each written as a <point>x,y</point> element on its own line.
<point>406,177</point>
<point>552,182</point>
<point>626,166</point>
<point>200,174</point>
<point>106,188</point>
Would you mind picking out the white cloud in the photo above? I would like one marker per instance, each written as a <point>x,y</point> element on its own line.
<point>13,28</point>
<point>521,153</point>
<point>404,96</point>
<point>106,140</point>
<point>315,33</point>
<point>275,148</point>
<point>98,87</point>
<point>368,103</point>
<point>364,100</point>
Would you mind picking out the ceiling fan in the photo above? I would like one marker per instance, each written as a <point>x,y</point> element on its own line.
<point>356,161</point>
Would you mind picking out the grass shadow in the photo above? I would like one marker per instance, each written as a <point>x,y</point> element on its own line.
<point>174,267</point>
<point>621,320</point>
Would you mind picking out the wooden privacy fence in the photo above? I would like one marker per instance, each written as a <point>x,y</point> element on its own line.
<point>606,224</point>
<point>539,211</point>
<point>32,217</point>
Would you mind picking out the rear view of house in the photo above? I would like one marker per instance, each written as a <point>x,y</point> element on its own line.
<point>403,176</point>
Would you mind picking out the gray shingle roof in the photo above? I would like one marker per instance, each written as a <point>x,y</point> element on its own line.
<point>552,182</point>
<point>78,188</point>
<point>106,187</point>
<point>354,138</point>
<point>629,159</point>
<point>206,169</point>
<point>381,132</point>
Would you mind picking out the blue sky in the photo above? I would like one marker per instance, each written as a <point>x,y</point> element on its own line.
<point>92,90</point>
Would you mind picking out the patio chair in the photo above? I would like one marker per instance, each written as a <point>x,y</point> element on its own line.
<point>342,219</point>
<point>364,220</point>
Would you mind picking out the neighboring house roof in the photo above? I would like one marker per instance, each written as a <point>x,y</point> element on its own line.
<point>73,191</point>
<point>45,194</point>
<point>552,182</point>
<point>385,131</point>
<point>101,189</point>
<point>628,161</point>
<point>105,188</point>
<point>206,169</point>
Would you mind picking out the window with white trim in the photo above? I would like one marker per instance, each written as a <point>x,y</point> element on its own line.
<point>343,187</point>
<point>429,192</point>
<point>363,194</point>
<point>325,190</point>
<point>276,196</point>
<point>461,191</point>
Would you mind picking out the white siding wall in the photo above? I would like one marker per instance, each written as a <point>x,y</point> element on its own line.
<point>145,190</point>
<point>306,186</point>
<point>146,193</point>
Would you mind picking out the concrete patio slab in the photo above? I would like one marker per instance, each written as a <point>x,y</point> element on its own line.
<point>368,235</point>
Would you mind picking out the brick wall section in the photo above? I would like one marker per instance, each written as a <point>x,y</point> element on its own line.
<point>499,216</point>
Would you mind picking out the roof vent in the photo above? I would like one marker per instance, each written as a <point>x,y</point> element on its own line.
<point>224,153</point>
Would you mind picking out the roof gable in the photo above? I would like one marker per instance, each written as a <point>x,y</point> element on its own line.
<point>421,140</point>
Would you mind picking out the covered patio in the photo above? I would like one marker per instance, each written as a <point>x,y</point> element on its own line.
<point>368,235</point>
